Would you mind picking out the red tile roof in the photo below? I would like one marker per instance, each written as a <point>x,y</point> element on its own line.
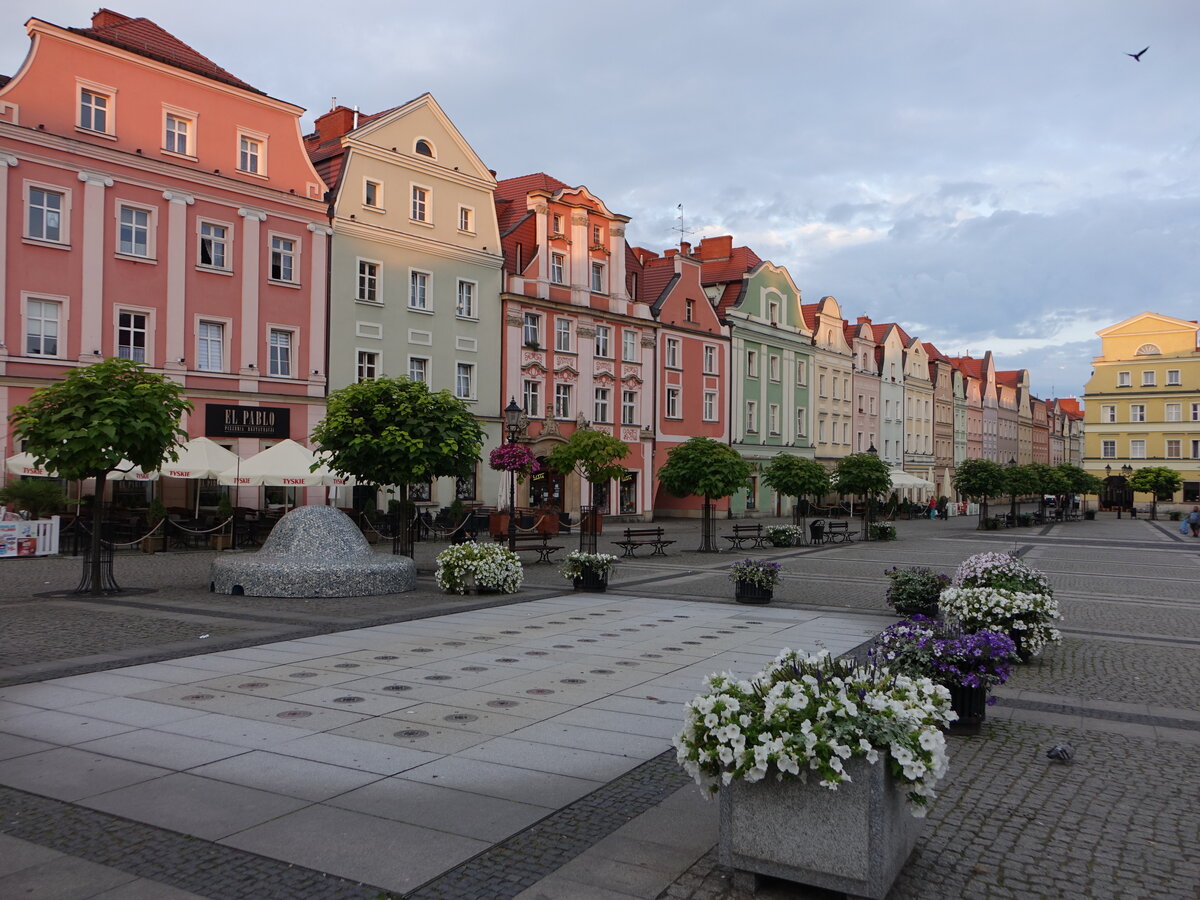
<point>324,147</point>
<point>1009,378</point>
<point>657,273</point>
<point>809,312</point>
<point>143,37</point>
<point>732,268</point>
<point>511,194</point>
<point>968,366</point>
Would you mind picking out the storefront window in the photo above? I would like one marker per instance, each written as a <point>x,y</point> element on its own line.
<point>629,493</point>
<point>465,488</point>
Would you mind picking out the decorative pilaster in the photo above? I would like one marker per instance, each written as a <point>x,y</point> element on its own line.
<point>580,280</point>
<point>616,261</point>
<point>91,316</point>
<point>318,299</point>
<point>251,279</point>
<point>176,322</point>
<point>8,161</point>
<point>542,271</point>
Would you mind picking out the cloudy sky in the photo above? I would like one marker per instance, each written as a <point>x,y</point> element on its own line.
<point>994,174</point>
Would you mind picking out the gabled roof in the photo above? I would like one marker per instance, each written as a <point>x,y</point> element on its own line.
<point>145,38</point>
<point>1070,406</point>
<point>809,313</point>
<point>968,365</point>
<point>511,194</point>
<point>732,268</point>
<point>658,277</point>
<point>1009,378</point>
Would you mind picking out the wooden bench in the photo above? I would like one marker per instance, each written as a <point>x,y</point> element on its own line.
<point>537,541</point>
<point>643,537</point>
<point>839,533</point>
<point>743,533</point>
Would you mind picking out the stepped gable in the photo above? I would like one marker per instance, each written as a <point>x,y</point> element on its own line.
<point>145,38</point>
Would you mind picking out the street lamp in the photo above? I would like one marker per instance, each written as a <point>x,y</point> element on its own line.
<point>1012,464</point>
<point>871,450</point>
<point>512,424</point>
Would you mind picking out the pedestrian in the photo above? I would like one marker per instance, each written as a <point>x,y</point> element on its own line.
<point>1194,521</point>
<point>932,507</point>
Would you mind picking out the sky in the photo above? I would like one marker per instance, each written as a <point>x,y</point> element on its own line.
<point>993,175</point>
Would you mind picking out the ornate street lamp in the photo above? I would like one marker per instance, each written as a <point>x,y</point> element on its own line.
<point>870,500</point>
<point>1012,464</point>
<point>512,424</point>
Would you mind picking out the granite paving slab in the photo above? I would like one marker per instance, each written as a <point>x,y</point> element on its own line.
<point>505,782</point>
<point>291,776</point>
<point>69,774</point>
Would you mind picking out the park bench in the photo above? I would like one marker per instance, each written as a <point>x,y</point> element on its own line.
<point>839,533</point>
<point>536,541</point>
<point>743,533</point>
<point>643,537</point>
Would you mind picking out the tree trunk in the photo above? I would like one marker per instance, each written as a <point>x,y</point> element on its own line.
<point>97,525</point>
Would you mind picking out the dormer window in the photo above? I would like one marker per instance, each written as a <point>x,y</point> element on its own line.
<point>556,222</point>
<point>424,148</point>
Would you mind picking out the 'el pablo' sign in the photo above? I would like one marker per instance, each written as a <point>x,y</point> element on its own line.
<point>247,421</point>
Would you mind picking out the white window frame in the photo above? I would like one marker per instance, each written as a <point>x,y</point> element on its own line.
<point>293,254</point>
<point>64,214</point>
<point>1173,412</point>
<point>469,309</point>
<point>597,275</point>
<point>419,290</point>
<point>558,268</point>
<point>562,400</point>
<point>418,365</point>
<point>710,359</point>
<point>802,371</point>
<point>602,405</point>
<point>629,345</point>
<point>556,224</point>
<point>370,185</point>
<point>226,244</point>
<point>151,230</point>
<point>603,342</point>
<point>673,353</point>
<point>1108,449</point>
<point>1137,448</point>
<point>1175,444</point>
<point>563,334</point>
<point>1124,379</point>
<point>1196,412</point>
<point>773,418</point>
<point>531,398</point>
<point>1149,378</point>
<point>751,363</point>
<point>801,421</point>
<point>293,351</point>
<point>1137,412</point>
<point>773,311</point>
<point>1108,414</point>
<point>467,370</point>
<point>109,94</point>
<point>531,329</point>
<point>1174,377</point>
<point>187,118</point>
<point>629,407</point>
<point>224,339</point>
<point>774,367</point>
<point>368,281</point>
<point>709,412</point>
<point>246,155</point>
<point>751,417</point>
<point>62,308</point>
<point>147,332</point>
<point>420,205</point>
<point>466,219</point>
<point>362,364</point>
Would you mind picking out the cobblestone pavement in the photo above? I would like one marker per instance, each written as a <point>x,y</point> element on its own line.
<point>1119,821</point>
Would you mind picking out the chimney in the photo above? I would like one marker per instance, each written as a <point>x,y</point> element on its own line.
<point>720,247</point>
<point>685,248</point>
<point>102,18</point>
<point>864,320</point>
<point>335,123</point>
<point>669,253</point>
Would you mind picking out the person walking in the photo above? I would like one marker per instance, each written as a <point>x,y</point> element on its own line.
<point>1193,520</point>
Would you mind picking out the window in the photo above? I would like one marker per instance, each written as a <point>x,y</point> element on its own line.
<point>531,330</point>
<point>420,204</point>
<point>214,245</point>
<point>250,155</point>
<point>465,487</point>
<point>871,406</point>
<point>710,406</point>
<point>1148,379</point>
<point>418,369</point>
<point>562,335</point>
<point>773,312</point>
<point>1196,412</point>
<point>557,261</point>
<point>1137,449</point>
<point>131,336</point>
<point>751,416</point>
<point>1174,448</point>
<point>280,353</point>
<point>629,345</point>
<point>1108,414</point>
<point>94,108</point>
<point>1174,412</point>
<point>596,236</point>
<point>1123,379</point>
<point>672,353</point>
<point>1195,449</point>
<point>556,224</point>
<point>464,381</point>
<point>283,259</point>
<point>801,371</point>
<point>603,333</point>
<point>465,307</point>
<point>598,277</point>
<point>673,402</point>
<point>418,290</point>
<point>531,398</point>
<point>45,215</point>
<point>372,194</point>
<point>1108,449</point>
<point>774,367</point>
<point>562,401</point>
<point>821,384</point>
<point>368,282</point>
<point>773,418</point>
<point>134,231</point>
<point>751,363</point>
<point>710,360</point>
<point>367,367</point>
<point>602,411</point>
<point>629,405</point>
<point>1137,412</point>
<point>210,347</point>
<point>835,387</point>
<point>801,421</point>
<point>1173,377</point>
<point>466,219</point>
<point>689,310</point>
<point>424,148</point>
<point>177,136</point>
<point>41,327</point>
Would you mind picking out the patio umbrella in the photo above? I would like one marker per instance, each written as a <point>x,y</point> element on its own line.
<point>127,471</point>
<point>23,464</point>
<point>287,464</point>
<point>199,458</point>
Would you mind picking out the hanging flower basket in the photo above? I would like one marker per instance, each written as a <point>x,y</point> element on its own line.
<point>515,458</point>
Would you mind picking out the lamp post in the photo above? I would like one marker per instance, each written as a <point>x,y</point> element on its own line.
<point>1012,464</point>
<point>1126,471</point>
<point>1108,490</point>
<point>512,424</point>
<point>870,500</point>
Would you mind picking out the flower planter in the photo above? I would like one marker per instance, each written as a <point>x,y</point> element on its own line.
<point>928,610</point>
<point>855,839</point>
<point>1019,639</point>
<point>591,581</point>
<point>745,592</point>
<point>971,705</point>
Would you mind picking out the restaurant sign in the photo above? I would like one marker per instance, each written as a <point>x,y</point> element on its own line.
<point>221,420</point>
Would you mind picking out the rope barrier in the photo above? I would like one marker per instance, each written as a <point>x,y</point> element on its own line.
<point>134,543</point>
<point>202,531</point>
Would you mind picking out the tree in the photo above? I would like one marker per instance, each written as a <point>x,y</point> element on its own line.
<point>1020,481</point>
<point>1051,481</point>
<point>979,480</point>
<point>865,475</point>
<point>707,468</point>
<point>596,456</point>
<point>40,496</point>
<point>98,416</point>
<point>1078,481</point>
<point>395,431</point>
<point>796,476</point>
<point>1159,482</point>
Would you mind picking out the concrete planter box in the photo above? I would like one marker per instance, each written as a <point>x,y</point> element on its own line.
<point>855,839</point>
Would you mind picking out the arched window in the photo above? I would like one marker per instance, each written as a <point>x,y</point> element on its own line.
<point>424,148</point>
<point>1148,350</point>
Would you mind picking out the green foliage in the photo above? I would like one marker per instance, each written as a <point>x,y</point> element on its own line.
<point>704,467</point>
<point>1050,479</point>
<point>1021,481</point>
<point>795,476</point>
<point>979,479</point>
<point>84,425</point>
<point>1077,481</point>
<point>1158,481</point>
<point>862,474</point>
<point>41,496</point>
<point>396,431</point>
<point>882,531</point>
<point>595,455</point>
<point>156,512</point>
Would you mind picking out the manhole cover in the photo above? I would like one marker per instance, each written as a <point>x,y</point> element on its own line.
<point>573,681</point>
<point>741,627</point>
<point>677,616</point>
<point>612,610</point>
<point>665,620</point>
<point>533,627</point>
<point>198,697</point>
<point>562,646</point>
<point>595,614</point>
<point>556,622</point>
<point>609,634</point>
<point>708,637</point>
<point>437,677</point>
<point>749,622</point>
<point>386,658</point>
<point>651,656</point>
<point>627,662</point>
<point>410,733</point>
<point>253,685</point>
<point>673,648</point>
<point>536,653</point>
<point>474,668</point>
<point>293,714</point>
<point>346,666</point>
<point>510,631</point>
<point>347,699</point>
<point>397,687</point>
<point>502,704</point>
<point>459,717</point>
<point>587,640</point>
<point>539,692</point>
<point>724,632</point>
<point>578,619</point>
<point>303,675</point>
<point>601,671</point>
<point>454,643</point>
<point>692,643</point>
<point>483,637</point>
<point>507,659</point>
<point>422,650</point>
<point>629,629</point>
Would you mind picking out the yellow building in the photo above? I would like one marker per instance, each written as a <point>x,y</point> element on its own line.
<point>1142,403</point>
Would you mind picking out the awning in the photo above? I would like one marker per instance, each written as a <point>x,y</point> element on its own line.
<point>901,479</point>
<point>199,458</point>
<point>287,464</point>
<point>23,464</point>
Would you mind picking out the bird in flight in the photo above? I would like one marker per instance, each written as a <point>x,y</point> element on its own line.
<point>1137,57</point>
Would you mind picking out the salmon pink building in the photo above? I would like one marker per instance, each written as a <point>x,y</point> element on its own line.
<point>160,209</point>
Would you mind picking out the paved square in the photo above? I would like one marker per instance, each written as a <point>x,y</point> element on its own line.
<point>391,754</point>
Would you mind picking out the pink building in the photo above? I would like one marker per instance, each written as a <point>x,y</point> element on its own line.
<point>160,209</point>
